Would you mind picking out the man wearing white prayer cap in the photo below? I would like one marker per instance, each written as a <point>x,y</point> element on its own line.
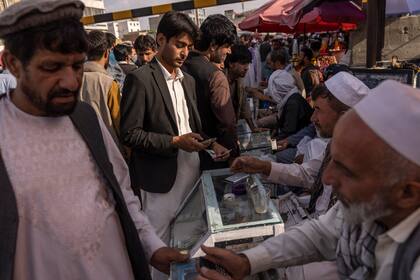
<point>374,231</point>
<point>331,101</point>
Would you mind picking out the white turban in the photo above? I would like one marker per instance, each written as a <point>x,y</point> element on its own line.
<point>392,111</point>
<point>283,83</point>
<point>347,88</point>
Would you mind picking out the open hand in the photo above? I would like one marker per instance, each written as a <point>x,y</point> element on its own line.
<point>247,164</point>
<point>220,152</point>
<point>163,257</point>
<point>189,142</point>
<point>237,265</point>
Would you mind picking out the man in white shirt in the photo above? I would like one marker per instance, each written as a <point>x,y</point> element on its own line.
<point>161,124</point>
<point>66,204</point>
<point>373,231</point>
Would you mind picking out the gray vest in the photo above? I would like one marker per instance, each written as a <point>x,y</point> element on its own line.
<point>86,122</point>
<point>406,256</point>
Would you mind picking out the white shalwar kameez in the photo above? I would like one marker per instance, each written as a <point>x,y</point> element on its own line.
<point>68,226</point>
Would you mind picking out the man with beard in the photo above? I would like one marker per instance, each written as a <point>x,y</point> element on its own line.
<point>374,231</point>
<point>214,102</point>
<point>66,207</point>
<point>145,47</point>
<point>237,65</point>
<point>331,101</point>
<point>311,75</point>
<point>99,89</point>
<point>161,124</point>
<point>123,54</point>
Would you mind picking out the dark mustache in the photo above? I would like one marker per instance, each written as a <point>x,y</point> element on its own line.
<point>63,93</point>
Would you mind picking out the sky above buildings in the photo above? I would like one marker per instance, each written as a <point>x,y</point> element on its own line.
<point>114,5</point>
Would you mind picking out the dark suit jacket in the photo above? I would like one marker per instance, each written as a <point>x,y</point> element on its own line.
<point>127,68</point>
<point>148,125</point>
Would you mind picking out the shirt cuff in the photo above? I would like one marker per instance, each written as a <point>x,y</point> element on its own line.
<point>151,243</point>
<point>266,92</point>
<point>259,259</point>
<point>275,170</point>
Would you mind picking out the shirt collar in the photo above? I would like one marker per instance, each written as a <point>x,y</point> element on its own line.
<point>168,76</point>
<point>402,231</point>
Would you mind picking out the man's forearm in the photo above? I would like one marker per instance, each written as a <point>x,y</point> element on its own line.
<point>154,143</point>
<point>314,240</point>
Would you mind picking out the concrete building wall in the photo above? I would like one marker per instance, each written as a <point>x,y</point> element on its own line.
<point>95,7</point>
<point>154,22</point>
<point>128,26</point>
<point>402,38</point>
<point>113,28</point>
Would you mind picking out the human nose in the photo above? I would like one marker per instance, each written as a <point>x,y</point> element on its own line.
<point>70,79</point>
<point>314,117</point>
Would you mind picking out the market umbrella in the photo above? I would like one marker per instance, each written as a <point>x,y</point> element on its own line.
<point>285,16</point>
<point>395,7</point>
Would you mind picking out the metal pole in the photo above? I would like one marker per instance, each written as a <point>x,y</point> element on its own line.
<point>381,29</point>
<point>372,33</point>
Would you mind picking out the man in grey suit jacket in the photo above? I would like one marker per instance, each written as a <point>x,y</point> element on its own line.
<point>161,124</point>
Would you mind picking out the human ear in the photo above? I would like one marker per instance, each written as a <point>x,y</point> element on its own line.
<point>213,47</point>
<point>408,195</point>
<point>160,40</point>
<point>12,63</point>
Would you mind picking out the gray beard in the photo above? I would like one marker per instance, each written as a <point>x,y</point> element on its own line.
<point>362,212</point>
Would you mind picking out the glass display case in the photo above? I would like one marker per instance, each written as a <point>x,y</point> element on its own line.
<point>236,214</point>
<point>255,141</point>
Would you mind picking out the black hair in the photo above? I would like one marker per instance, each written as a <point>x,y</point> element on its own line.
<point>98,45</point>
<point>145,42</point>
<point>246,36</point>
<point>122,52</point>
<point>322,91</point>
<point>218,30</point>
<point>279,55</point>
<point>110,39</point>
<point>308,53</point>
<point>64,36</point>
<point>175,23</point>
<point>316,45</point>
<point>333,69</point>
<point>239,53</point>
<point>265,49</point>
<point>268,37</point>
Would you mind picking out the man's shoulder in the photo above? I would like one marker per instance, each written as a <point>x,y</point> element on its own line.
<point>96,75</point>
<point>198,63</point>
<point>187,76</point>
<point>296,99</point>
<point>142,74</point>
<point>97,78</point>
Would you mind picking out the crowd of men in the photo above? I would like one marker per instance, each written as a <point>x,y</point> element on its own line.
<point>101,142</point>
